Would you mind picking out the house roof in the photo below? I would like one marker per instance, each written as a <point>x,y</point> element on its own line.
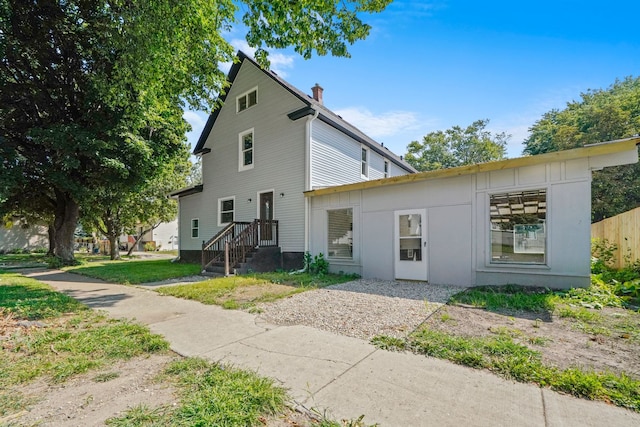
<point>608,147</point>
<point>187,191</point>
<point>324,114</point>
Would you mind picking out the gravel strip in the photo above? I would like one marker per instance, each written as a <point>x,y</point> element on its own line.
<point>362,308</point>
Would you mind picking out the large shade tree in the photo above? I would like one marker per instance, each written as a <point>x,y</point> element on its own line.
<point>457,146</point>
<point>86,86</point>
<point>600,115</point>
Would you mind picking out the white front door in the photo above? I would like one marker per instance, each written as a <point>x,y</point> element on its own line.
<point>410,244</point>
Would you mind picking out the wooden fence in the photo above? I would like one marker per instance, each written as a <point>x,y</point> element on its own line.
<point>624,231</point>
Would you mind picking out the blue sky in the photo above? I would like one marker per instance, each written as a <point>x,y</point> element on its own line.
<point>427,66</point>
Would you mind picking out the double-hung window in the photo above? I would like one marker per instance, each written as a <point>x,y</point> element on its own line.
<point>364,162</point>
<point>195,228</point>
<point>518,227</point>
<point>247,100</point>
<point>226,210</point>
<point>245,150</point>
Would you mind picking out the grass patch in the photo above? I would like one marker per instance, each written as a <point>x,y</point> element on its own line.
<point>135,272</point>
<point>70,339</point>
<point>506,357</point>
<point>29,299</point>
<point>244,291</point>
<point>211,395</point>
<point>386,342</point>
<point>507,298</point>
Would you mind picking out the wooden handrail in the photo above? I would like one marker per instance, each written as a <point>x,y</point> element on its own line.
<point>233,243</point>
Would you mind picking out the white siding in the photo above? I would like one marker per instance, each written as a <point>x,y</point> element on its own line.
<point>16,237</point>
<point>336,158</point>
<point>278,160</point>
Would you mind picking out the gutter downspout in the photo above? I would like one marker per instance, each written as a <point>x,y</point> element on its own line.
<point>307,177</point>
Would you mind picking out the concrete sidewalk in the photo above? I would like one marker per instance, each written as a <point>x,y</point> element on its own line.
<point>341,376</point>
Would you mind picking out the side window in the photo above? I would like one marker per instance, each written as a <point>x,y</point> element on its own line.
<point>226,210</point>
<point>195,228</point>
<point>365,162</point>
<point>386,168</point>
<point>340,233</point>
<point>245,150</point>
<point>518,227</point>
<point>247,100</point>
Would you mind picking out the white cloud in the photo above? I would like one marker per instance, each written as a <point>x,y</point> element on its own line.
<point>197,120</point>
<point>279,61</point>
<point>382,125</point>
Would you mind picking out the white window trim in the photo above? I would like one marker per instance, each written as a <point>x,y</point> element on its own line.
<point>196,228</point>
<point>220,200</point>
<point>245,94</point>
<point>490,265</point>
<point>241,165</point>
<point>365,162</point>
<point>326,240</point>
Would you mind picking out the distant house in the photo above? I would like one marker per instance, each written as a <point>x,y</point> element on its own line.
<point>26,237</point>
<point>261,150</point>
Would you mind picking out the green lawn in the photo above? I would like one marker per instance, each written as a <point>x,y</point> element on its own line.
<point>244,291</point>
<point>73,339</point>
<point>135,272</point>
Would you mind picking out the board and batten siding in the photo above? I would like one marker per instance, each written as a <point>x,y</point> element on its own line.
<point>336,159</point>
<point>278,159</point>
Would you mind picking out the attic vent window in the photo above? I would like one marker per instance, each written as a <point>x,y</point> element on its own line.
<point>247,100</point>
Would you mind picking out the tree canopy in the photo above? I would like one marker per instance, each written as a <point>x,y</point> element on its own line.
<point>600,115</point>
<point>91,90</point>
<point>457,146</point>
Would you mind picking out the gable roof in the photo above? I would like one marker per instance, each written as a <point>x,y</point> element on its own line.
<point>324,114</point>
<point>602,148</point>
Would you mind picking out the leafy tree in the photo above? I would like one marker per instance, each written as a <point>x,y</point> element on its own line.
<point>88,87</point>
<point>125,211</point>
<point>457,147</point>
<point>600,115</point>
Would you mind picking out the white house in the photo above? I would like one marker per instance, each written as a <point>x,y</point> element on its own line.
<point>519,221</point>
<point>261,150</point>
<point>25,237</point>
<point>284,174</point>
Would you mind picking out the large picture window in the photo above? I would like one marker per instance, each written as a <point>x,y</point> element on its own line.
<point>340,233</point>
<point>518,227</point>
<point>226,209</point>
<point>245,150</point>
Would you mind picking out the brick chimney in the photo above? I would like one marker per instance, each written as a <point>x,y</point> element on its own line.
<point>317,93</point>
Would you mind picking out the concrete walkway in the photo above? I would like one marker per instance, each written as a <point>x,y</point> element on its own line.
<point>341,376</point>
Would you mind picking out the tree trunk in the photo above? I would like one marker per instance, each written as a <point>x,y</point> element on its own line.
<point>65,222</point>
<point>52,239</point>
<point>114,247</point>
<point>113,232</point>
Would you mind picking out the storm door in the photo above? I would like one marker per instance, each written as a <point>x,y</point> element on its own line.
<point>411,244</point>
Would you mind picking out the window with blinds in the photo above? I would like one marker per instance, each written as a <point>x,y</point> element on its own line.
<point>340,233</point>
